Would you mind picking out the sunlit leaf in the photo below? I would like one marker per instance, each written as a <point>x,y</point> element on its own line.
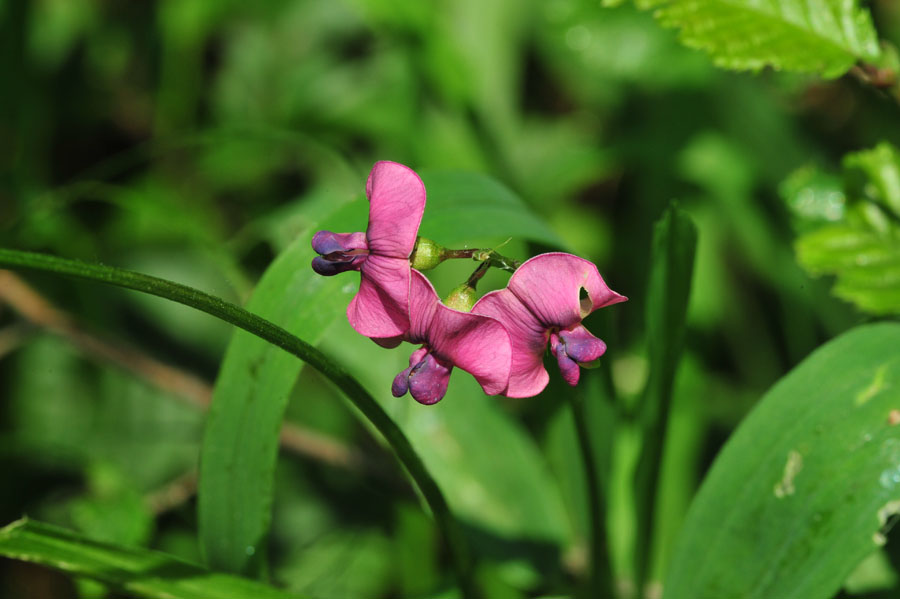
<point>875,175</point>
<point>853,231</point>
<point>814,198</point>
<point>802,491</point>
<point>825,37</point>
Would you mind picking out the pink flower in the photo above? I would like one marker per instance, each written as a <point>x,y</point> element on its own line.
<point>477,344</point>
<point>542,303</point>
<point>381,254</point>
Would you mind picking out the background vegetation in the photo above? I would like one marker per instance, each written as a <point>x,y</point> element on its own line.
<point>197,140</point>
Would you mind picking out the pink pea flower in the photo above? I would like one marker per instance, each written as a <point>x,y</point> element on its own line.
<point>381,254</point>
<point>542,303</point>
<point>478,344</point>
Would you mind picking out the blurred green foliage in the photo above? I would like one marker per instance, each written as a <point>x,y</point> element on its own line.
<point>197,140</point>
<point>851,228</point>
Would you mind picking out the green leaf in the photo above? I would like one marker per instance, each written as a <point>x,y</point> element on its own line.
<point>565,456</point>
<point>875,175</point>
<point>113,510</point>
<point>240,443</point>
<point>465,206</point>
<point>814,198</point>
<point>489,469</point>
<point>875,573</point>
<point>674,245</point>
<point>854,232</point>
<point>342,563</point>
<point>137,572</point>
<point>241,438</point>
<point>825,37</point>
<point>98,415</point>
<point>803,489</point>
<point>867,265</point>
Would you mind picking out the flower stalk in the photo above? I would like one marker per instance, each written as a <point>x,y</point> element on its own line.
<point>492,257</point>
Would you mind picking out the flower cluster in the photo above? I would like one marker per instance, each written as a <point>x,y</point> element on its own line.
<point>500,340</point>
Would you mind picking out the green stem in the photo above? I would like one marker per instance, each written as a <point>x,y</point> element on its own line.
<point>276,335</point>
<point>492,257</point>
<point>473,279</point>
<point>600,579</point>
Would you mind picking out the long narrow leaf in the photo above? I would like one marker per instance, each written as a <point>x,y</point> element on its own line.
<point>674,245</point>
<point>802,491</point>
<point>240,441</point>
<point>135,571</point>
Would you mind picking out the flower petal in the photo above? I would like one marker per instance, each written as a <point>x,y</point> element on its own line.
<point>326,242</point>
<point>550,286</point>
<point>396,204</point>
<point>581,345</point>
<point>428,380</point>
<point>388,342</point>
<point>477,344</point>
<point>380,308</point>
<point>423,302</point>
<point>568,367</point>
<point>528,340</point>
<point>333,264</point>
<point>401,383</point>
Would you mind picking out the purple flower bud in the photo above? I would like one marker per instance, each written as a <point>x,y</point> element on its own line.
<point>326,242</point>
<point>340,252</point>
<point>567,366</point>
<point>401,383</point>
<point>581,346</point>
<point>426,378</point>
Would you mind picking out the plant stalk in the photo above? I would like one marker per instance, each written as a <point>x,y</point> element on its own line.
<point>600,574</point>
<point>266,330</point>
<point>481,255</point>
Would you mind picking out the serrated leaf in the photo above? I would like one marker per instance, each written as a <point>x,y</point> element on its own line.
<point>137,572</point>
<point>867,265</point>
<point>875,175</point>
<point>802,490</point>
<point>821,36</point>
<point>856,238</point>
